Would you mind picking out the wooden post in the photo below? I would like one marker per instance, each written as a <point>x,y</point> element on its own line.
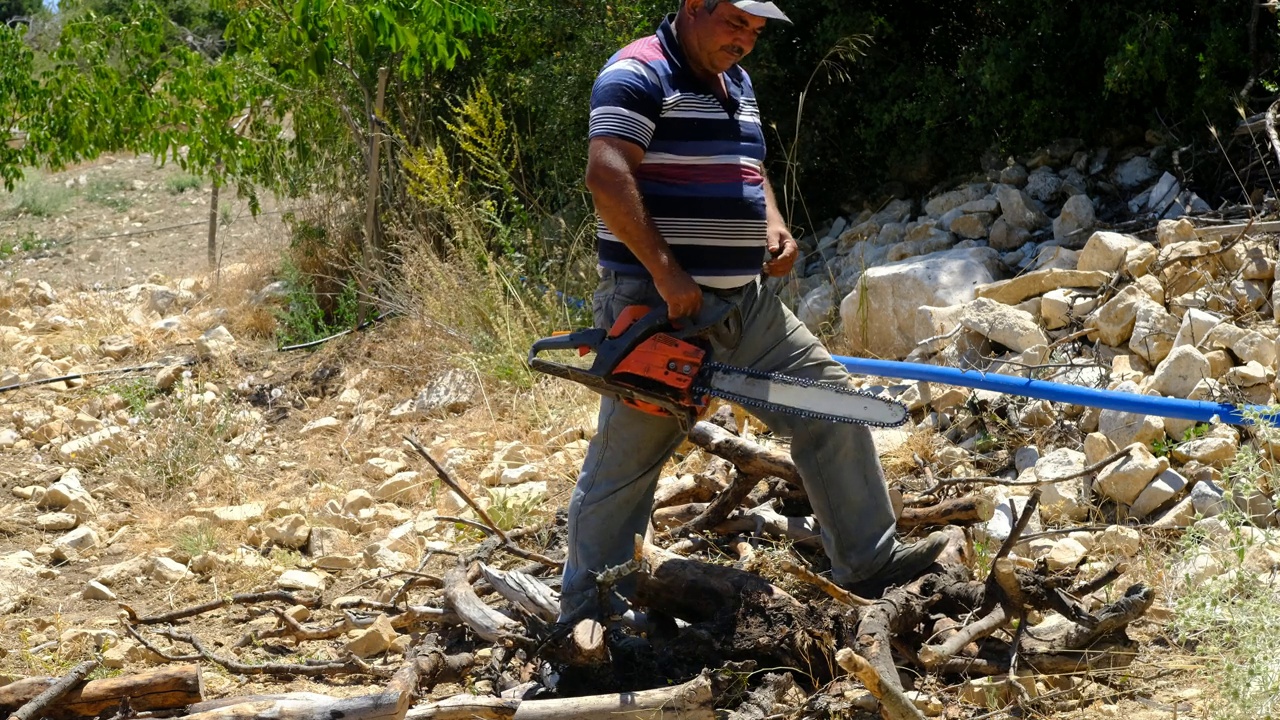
<point>370,247</point>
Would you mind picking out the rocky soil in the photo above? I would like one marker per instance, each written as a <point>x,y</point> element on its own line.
<point>156,452</point>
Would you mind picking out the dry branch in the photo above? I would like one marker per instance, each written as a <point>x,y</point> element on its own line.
<point>524,592</point>
<point>934,655</point>
<point>350,666</point>
<point>968,510</point>
<point>894,705</point>
<point>693,700</point>
<point>164,689</point>
<point>482,619</point>
<point>240,599</point>
<point>824,584</point>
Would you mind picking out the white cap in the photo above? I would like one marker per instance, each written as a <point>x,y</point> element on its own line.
<point>760,9</point>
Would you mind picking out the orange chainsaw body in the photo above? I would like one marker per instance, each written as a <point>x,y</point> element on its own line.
<point>661,359</point>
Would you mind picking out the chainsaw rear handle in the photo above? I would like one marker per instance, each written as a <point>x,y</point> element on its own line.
<point>609,350</point>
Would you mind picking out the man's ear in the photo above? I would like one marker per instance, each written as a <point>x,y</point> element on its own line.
<point>692,7</point>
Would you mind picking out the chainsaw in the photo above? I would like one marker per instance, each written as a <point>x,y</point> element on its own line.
<point>649,364</point>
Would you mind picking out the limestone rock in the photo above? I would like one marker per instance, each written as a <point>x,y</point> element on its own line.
<point>1172,232</point>
<point>167,570</point>
<point>380,468</point>
<point>1154,330</point>
<point>304,580</point>
<point>1179,373</point>
<point>230,514</point>
<point>404,487</point>
<point>75,543</point>
<point>1118,540</point>
<point>1216,452</point>
<point>1078,217</point>
<point>1125,479</point>
<point>373,640</point>
<point>217,342</point>
<point>1114,321</point>
<point>95,590</point>
<point>1164,489</point>
<point>1004,236</point>
<point>973,226</point>
<point>116,347</point>
<point>1039,282</point>
<point>892,293</point>
<point>1002,324</point>
<point>1019,209</point>
<point>321,426</point>
<point>1066,553</point>
<point>1134,172</point>
<point>93,447</point>
<point>1255,347</point>
<point>56,522</point>
<point>1106,251</point>
<point>69,494</point>
<point>290,531</point>
<point>454,391</point>
<point>1196,326</point>
<point>328,541</point>
<point>817,307</point>
<point>1061,500</point>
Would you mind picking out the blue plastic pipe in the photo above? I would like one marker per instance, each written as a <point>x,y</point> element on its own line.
<point>1197,410</point>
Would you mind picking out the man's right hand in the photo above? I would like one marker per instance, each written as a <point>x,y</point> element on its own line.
<point>681,293</point>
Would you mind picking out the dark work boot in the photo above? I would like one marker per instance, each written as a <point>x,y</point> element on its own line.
<point>906,563</point>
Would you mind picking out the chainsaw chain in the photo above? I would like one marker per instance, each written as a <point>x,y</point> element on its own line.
<point>796,382</point>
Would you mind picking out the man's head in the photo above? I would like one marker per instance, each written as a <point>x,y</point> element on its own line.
<point>716,34</point>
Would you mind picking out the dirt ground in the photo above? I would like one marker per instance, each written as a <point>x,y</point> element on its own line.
<point>121,218</point>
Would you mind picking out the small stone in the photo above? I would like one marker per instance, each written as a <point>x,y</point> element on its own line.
<point>517,475</point>
<point>1106,251</point>
<point>92,447</point>
<point>1061,500</point>
<point>167,570</point>
<point>116,347</point>
<point>1117,540</point>
<point>1019,209</point>
<point>357,500</point>
<point>405,487</point>
<point>1066,553</point>
<point>1164,489</point>
<point>55,522</point>
<point>1216,452</point>
<point>373,640</point>
<point>230,514</point>
<point>1078,217</point>
<point>1172,232</point>
<point>379,469</point>
<point>290,531</point>
<point>1125,479</point>
<point>300,580</point>
<point>217,342</point>
<point>1208,499</point>
<point>927,704</point>
<point>321,426</point>
<point>328,541</point>
<point>95,590</point>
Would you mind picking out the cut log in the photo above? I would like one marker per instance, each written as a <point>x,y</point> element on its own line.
<point>588,645</point>
<point>968,510</point>
<point>695,591</point>
<point>167,688</point>
<point>55,692</point>
<point>482,619</point>
<point>524,592</point>
<point>934,655</point>
<point>693,700</point>
<point>693,488</point>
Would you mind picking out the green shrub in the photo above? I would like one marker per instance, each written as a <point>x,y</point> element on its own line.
<point>36,197</point>
<point>178,184</point>
<point>304,317</point>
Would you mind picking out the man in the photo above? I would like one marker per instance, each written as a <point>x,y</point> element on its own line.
<point>676,171</point>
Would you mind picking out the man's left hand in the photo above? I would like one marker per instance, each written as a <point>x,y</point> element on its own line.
<point>783,250</point>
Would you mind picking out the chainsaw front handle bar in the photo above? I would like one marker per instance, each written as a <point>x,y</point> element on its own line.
<point>609,351</point>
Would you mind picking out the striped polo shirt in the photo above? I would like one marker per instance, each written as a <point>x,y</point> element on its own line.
<point>702,177</point>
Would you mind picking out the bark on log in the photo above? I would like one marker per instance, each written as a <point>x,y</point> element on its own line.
<point>968,510</point>
<point>55,692</point>
<point>696,591</point>
<point>693,488</point>
<point>164,689</point>
<point>894,705</point>
<point>524,592</point>
<point>693,700</point>
<point>761,702</point>
<point>750,458</point>
<point>1111,618</point>
<point>934,655</point>
<point>482,619</point>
